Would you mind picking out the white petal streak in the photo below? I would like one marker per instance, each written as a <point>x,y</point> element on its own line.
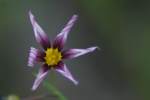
<point>32,56</point>
<point>66,73</point>
<point>39,78</point>
<point>73,53</point>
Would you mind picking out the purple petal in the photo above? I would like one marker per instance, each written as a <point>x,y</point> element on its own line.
<point>63,70</point>
<point>34,56</point>
<point>73,53</point>
<point>40,35</point>
<point>40,77</point>
<point>62,36</point>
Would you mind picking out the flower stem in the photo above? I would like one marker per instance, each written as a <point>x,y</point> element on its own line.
<point>55,91</point>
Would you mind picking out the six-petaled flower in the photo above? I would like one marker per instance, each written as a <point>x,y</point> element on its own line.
<point>53,54</point>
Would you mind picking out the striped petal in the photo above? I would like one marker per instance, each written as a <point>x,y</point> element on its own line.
<point>62,36</point>
<point>40,35</point>
<point>34,56</point>
<point>40,77</point>
<point>63,70</point>
<point>73,53</point>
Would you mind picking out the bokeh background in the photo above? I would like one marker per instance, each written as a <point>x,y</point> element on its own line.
<point>121,28</point>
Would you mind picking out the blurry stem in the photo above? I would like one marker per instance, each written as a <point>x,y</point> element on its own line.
<point>53,77</point>
<point>54,90</point>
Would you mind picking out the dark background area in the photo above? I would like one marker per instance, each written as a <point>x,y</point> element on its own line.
<point>119,71</point>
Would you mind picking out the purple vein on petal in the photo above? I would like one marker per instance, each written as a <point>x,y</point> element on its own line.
<point>39,33</point>
<point>62,36</point>
<point>73,53</point>
<point>34,56</point>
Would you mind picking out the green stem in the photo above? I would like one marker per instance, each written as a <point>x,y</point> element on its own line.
<point>55,91</point>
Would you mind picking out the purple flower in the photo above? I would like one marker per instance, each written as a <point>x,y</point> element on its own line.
<point>52,55</point>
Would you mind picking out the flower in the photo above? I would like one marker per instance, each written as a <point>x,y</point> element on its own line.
<point>53,54</point>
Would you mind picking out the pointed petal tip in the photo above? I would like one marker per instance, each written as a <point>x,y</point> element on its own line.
<point>33,88</point>
<point>91,49</point>
<point>30,65</point>
<point>75,16</point>
<point>30,14</point>
<point>75,82</point>
<point>30,11</point>
<point>32,48</point>
<point>98,48</point>
<point>95,48</point>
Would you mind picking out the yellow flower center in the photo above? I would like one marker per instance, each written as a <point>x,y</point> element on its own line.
<point>53,56</point>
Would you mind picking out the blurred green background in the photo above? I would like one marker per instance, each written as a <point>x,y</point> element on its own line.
<point>121,28</point>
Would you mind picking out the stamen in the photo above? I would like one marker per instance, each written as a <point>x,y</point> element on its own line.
<point>53,56</point>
